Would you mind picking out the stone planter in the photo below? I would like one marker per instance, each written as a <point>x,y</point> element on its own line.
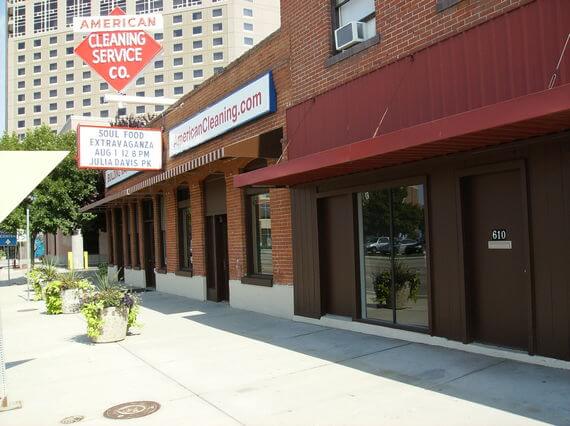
<point>114,326</point>
<point>402,296</point>
<point>71,300</point>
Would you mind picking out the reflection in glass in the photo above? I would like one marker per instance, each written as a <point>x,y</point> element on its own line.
<point>261,234</point>
<point>184,229</point>
<point>394,267</point>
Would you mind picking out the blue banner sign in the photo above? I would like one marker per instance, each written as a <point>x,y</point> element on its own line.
<point>8,240</point>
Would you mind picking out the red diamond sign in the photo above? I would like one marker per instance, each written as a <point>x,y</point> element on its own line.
<point>121,52</point>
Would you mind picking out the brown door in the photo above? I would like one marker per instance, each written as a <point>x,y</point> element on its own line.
<point>217,277</point>
<point>336,253</point>
<point>149,253</point>
<point>495,265</point>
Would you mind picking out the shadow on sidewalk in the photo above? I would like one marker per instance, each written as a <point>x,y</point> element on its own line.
<point>532,391</point>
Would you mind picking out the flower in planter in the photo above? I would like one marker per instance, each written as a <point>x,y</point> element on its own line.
<point>110,310</point>
<point>36,277</point>
<point>404,278</point>
<point>54,292</point>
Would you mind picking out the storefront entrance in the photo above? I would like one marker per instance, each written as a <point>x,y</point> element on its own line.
<point>119,261</point>
<point>495,247</point>
<point>148,229</point>
<point>216,223</point>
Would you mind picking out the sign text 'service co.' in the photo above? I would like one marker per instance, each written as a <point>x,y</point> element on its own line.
<point>118,46</point>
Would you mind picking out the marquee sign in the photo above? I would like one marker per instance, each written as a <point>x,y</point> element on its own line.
<point>119,46</point>
<point>252,101</point>
<point>121,148</point>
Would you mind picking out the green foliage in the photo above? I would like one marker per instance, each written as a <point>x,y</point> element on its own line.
<point>55,203</point>
<point>402,276</point>
<point>108,294</point>
<point>53,290</point>
<point>35,276</point>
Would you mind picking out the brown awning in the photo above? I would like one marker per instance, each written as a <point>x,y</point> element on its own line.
<point>524,117</point>
<point>267,145</point>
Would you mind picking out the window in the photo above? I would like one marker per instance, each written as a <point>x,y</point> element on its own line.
<point>21,98</point>
<point>86,74</point>
<point>177,19</point>
<point>45,16</point>
<point>69,91</point>
<point>179,90</point>
<point>103,86</point>
<point>21,84</point>
<point>77,8</point>
<point>21,58</point>
<point>86,88</point>
<point>178,76</point>
<point>216,13</point>
<point>148,6</point>
<point>68,51</point>
<point>121,112</point>
<point>196,16</point>
<point>37,56</point>
<point>140,81</point>
<point>53,79</point>
<point>197,44</point>
<point>37,109</point>
<point>38,42</point>
<point>105,114</point>
<point>247,12</point>
<point>20,22</point>
<point>37,122</point>
<point>260,253</point>
<point>53,66</point>
<point>69,77</point>
<point>177,4</point>
<point>197,59</point>
<point>53,120</point>
<point>106,6</point>
<point>159,93</point>
<point>184,228</point>
<point>158,36</point>
<point>356,10</point>
<point>53,40</point>
<point>248,26</point>
<point>53,93</point>
<point>102,100</point>
<point>140,94</point>
<point>21,71</point>
<point>21,45</point>
<point>69,64</point>
<point>218,70</point>
<point>393,256</point>
<point>53,107</point>
<point>69,104</point>
<point>198,73</point>
<point>159,64</point>
<point>37,69</point>
<point>197,30</point>
<point>86,114</point>
<point>177,32</point>
<point>37,82</point>
<point>21,124</point>
<point>162,212</point>
<point>177,47</point>
<point>218,56</point>
<point>158,108</point>
<point>86,102</point>
<point>140,109</point>
<point>248,41</point>
<point>217,41</point>
<point>177,62</point>
<point>69,37</point>
<point>21,110</point>
<point>217,27</point>
<point>159,78</point>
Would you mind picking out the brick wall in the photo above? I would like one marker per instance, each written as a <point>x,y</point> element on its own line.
<point>404,26</point>
<point>170,211</point>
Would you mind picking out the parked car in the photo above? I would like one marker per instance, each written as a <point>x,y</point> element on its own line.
<point>378,245</point>
<point>409,246</point>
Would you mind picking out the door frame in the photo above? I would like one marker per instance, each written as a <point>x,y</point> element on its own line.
<point>520,166</point>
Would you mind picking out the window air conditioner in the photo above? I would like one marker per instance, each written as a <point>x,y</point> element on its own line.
<point>349,34</point>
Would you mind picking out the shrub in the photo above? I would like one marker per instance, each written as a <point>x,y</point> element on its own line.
<point>402,276</point>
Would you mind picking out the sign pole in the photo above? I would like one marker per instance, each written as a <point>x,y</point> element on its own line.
<point>8,257</point>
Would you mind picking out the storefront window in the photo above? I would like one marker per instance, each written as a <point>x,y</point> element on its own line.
<point>184,229</point>
<point>261,252</point>
<point>393,255</point>
<point>162,212</point>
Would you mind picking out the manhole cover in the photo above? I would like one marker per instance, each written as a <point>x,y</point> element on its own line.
<point>71,419</point>
<point>27,310</point>
<point>132,410</point>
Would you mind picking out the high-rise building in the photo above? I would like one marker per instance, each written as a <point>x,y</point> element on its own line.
<point>48,83</point>
<point>3,64</point>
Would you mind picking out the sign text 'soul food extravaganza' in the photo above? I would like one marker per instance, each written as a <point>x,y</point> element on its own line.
<point>118,46</point>
<point>119,148</point>
<point>253,100</point>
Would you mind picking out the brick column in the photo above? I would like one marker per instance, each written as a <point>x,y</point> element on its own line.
<point>141,234</point>
<point>157,234</point>
<point>114,237</point>
<point>125,222</point>
<point>108,213</point>
<point>197,207</point>
<point>131,208</point>
<point>281,236</point>
<point>236,228</point>
<point>170,212</point>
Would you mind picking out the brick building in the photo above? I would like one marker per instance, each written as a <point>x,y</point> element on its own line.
<point>187,230</point>
<point>428,169</point>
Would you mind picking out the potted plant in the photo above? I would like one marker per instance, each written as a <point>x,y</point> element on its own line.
<point>406,282</point>
<point>110,310</point>
<point>64,295</point>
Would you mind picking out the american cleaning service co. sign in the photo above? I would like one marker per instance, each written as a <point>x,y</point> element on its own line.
<point>251,101</point>
<point>120,148</point>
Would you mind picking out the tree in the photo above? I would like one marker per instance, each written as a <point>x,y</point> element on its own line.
<point>55,203</point>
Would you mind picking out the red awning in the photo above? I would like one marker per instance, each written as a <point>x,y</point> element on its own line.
<point>519,118</point>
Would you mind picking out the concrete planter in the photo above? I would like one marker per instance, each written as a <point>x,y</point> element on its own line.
<point>114,327</point>
<point>71,300</point>
<point>402,296</point>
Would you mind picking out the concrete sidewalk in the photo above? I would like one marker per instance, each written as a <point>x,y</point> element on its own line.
<point>208,364</point>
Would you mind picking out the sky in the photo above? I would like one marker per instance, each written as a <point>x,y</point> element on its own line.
<point>3,30</point>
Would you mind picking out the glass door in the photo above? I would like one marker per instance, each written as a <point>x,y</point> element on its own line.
<point>393,262</point>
